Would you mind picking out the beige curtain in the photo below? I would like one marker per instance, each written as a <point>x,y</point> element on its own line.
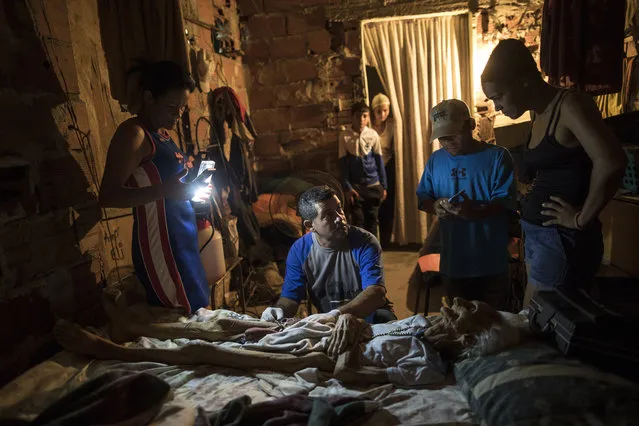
<point>421,62</point>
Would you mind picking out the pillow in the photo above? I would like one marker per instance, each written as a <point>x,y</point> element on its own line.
<point>534,384</point>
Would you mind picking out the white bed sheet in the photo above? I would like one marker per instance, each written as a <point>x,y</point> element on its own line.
<point>198,390</point>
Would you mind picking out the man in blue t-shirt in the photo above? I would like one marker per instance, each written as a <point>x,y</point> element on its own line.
<point>338,266</point>
<point>473,224</point>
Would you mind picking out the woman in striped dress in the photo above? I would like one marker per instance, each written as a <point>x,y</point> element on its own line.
<point>144,171</point>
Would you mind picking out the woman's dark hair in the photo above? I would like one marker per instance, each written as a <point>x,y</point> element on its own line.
<point>161,77</point>
<point>510,60</point>
<point>307,204</point>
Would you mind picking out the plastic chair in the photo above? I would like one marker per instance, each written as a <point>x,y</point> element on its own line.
<point>429,265</point>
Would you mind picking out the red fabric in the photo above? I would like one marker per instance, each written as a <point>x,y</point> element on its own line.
<point>582,44</point>
<point>227,91</point>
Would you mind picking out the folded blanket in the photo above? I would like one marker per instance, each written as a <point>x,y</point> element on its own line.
<point>114,398</point>
<point>300,338</point>
<point>294,410</point>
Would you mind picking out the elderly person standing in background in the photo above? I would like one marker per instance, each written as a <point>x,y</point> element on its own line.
<point>382,123</point>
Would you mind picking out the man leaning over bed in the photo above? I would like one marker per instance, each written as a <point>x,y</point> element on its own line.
<point>339,265</point>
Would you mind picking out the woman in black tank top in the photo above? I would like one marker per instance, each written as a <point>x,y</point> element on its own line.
<point>575,160</point>
<point>558,170</point>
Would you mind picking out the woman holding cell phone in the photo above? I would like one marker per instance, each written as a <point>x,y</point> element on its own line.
<point>144,171</point>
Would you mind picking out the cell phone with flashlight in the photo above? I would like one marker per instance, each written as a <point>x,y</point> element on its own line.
<point>202,177</point>
<point>205,171</point>
<point>456,196</point>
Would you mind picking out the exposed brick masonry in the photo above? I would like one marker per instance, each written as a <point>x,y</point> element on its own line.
<point>305,61</point>
<point>55,246</point>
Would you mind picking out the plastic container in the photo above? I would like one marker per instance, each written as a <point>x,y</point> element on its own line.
<point>211,251</point>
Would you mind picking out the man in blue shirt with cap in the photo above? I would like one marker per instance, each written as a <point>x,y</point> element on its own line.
<point>470,186</point>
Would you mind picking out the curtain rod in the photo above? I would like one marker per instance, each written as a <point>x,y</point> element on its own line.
<point>412,17</point>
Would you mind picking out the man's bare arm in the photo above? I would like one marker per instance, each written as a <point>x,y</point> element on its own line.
<point>583,119</point>
<point>365,303</point>
<point>289,306</point>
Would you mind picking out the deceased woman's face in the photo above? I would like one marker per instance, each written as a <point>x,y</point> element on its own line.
<point>458,325</point>
<point>470,317</point>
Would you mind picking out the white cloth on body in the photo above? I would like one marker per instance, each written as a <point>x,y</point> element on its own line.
<point>408,360</point>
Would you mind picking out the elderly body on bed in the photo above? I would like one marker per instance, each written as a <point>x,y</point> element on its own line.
<point>409,352</point>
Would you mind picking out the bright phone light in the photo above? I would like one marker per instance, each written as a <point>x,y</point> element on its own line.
<point>203,193</point>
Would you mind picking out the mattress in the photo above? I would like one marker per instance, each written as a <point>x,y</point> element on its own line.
<point>201,390</point>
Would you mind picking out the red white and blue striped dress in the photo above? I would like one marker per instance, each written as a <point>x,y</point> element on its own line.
<point>165,251</point>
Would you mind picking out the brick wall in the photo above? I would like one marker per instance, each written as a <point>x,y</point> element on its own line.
<point>520,20</point>
<point>305,63</point>
<point>199,18</point>
<point>53,252</point>
<point>56,247</point>
<point>301,67</point>
<point>506,20</point>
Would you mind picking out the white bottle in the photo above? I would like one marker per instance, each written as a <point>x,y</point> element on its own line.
<point>211,251</point>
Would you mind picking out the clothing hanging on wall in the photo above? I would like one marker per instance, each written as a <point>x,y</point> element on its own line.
<point>227,107</point>
<point>230,174</point>
<point>582,44</point>
<point>226,102</point>
<point>235,169</point>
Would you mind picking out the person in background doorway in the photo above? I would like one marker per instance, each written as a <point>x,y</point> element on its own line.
<point>144,171</point>
<point>339,265</point>
<point>473,223</point>
<point>383,124</point>
<point>363,173</point>
<point>577,164</point>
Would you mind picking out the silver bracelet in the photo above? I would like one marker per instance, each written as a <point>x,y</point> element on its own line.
<point>577,226</point>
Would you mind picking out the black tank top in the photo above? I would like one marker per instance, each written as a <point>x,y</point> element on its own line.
<point>557,170</point>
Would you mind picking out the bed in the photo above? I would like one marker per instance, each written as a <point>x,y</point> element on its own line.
<point>202,390</point>
<point>198,391</point>
<point>529,384</point>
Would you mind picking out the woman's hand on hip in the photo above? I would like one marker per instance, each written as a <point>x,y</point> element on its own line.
<point>562,213</point>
